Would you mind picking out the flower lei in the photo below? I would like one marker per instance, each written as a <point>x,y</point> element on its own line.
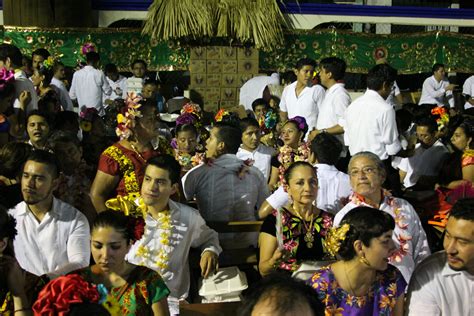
<point>288,155</point>
<point>6,77</point>
<point>443,119</point>
<point>160,256</point>
<point>186,160</point>
<point>401,236</point>
<point>126,119</point>
<point>58,295</point>
<point>293,228</point>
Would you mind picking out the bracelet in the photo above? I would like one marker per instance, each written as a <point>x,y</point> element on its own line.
<point>21,310</point>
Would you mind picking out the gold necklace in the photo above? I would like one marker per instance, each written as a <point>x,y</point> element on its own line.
<point>136,151</point>
<point>308,236</point>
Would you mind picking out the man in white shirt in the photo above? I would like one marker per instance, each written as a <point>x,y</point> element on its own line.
<point>437,89</point>
<point>38,128</point>
<point>11,59</point>
<point>420,171</point>
<point>53,237</point>
<point>117,82</point>
<point>370,123</point>
<point>333,186</point>
<point>139,69</point>
<point>57,81</point>
<point>251,148</point>
<point>89,85</point>
<point>443,284</point>
<point>38,56</point>
<point>367,173</point>
<point>180,225</point>
<point>468,92</point>
<point>300,98</point>
<point>337,99</point>
<point>226,188</point>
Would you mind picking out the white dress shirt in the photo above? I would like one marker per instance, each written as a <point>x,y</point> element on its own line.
<point>88,87</point>
<point>307,104</point>
<point>370,126</point>
<point>424,162</point>
<point>118,88</point>
<point>433,92</point>
<point>57,245</point>
<point>391,99</point>
<point>333,187</point>
<point>418,248</point>
<point>224,196</point>
<point>333,110</point>
<point>435,289</point>
<point>22,83</point>
<point>468,89</point>
<point>261,157</point>
<point>64,97</point>
<point>188,230</point>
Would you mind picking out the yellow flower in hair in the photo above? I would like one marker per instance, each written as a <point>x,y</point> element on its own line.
<point>121,118</point>
<point>334,237</point>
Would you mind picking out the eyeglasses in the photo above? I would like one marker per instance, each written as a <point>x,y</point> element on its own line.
<point>365,170</point>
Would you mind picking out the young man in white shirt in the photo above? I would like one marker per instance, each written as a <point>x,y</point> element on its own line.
<point>38,56</point>
<point>89,85</point>
<point>443,284</point>
<point>333,186</point>
<point>437,89</point>
<point>420,171</point>
<point>53,237</point>
<point>58,76</point>
<point>336,100</point>
<point>252,149</point>
<point>139,69</point>
<point>38,128</point>
<point>226,188</point>
<point>117,82</point>
<point>171,230</point>
<point>300,98</point>
<point>468,92</point>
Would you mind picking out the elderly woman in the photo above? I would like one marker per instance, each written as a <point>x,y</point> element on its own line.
<point>362,282</point>
<point>367,173</point>
<point>120,170</point>
<point>295,232</point>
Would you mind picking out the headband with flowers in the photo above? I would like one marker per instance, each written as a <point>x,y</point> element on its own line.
<point>334,237</point>
<point>59,294</point>
<point>126,119</point>
<point>86,117</point>
<point>220,115</point>
<point>192,108</point>
<point>300,123</point>
<point>443,119</point>
<point>49,62</point>
<point>6,77</point>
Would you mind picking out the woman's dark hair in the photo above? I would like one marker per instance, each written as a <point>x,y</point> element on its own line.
<point>7,229</point>
<point>167,163</point>
<point>130,227</point>
<point>186,128</point>
<point>12,157</point>
<point>365,224</point>
<point>47,73</point>
<point>293,166</point>
<point>468,127</point>
<point>286,294</point>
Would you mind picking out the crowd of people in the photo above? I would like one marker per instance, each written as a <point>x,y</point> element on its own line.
<point>101,200</point>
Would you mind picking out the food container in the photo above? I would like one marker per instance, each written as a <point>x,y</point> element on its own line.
<point>225,285</point>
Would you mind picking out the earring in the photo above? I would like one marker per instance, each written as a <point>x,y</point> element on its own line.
<point>364,260</point>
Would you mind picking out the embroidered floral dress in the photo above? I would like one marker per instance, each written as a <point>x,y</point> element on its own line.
<point>144,287</point>
<point>293,231</point>
<point>380,300</point>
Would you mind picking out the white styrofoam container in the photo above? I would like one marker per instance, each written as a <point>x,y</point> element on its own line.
<point>224,286</point>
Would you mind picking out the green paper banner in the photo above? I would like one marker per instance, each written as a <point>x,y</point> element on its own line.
<point>409,53</point>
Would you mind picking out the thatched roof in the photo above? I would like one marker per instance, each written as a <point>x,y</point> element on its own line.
<point>258,22</point>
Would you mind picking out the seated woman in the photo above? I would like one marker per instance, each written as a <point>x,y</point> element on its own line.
<point>120,170</point>
<point>295,232</point>
<point>361,282</point>
<point>17,287</point>
<point>138,290</point>
<point>293,149</point>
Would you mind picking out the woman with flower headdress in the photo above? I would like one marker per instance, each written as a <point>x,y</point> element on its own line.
<point>295,232</point>
<point>48,95</point>
<point>121,287</point>
<point>186,142</point>
<point>294,149</point>
<point>361,282</point>
<point>120,166</point>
